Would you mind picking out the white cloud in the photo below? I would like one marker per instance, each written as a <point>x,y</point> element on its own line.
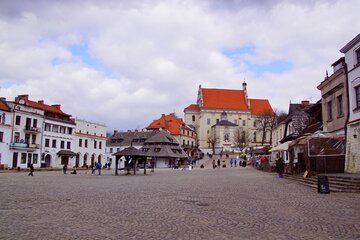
<point>158,52</point>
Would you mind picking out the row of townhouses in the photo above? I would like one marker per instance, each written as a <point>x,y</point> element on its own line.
<point>325,136</point>
<point>32,132</point>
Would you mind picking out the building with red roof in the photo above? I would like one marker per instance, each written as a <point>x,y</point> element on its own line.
<point>182,132</point>
<point>236,111</point>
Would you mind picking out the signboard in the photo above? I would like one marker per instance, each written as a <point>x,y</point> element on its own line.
<point>323,184</point>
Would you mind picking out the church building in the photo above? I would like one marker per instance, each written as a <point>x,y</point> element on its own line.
<point>226,119</point>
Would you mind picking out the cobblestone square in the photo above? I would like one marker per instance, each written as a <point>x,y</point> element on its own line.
<point>232,203</point>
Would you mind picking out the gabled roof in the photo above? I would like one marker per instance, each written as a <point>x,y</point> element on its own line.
<point>260,106</point>
<point>193,107</point>
<point>161,137</point>
<point>4,106</point>
<point>41,105</point>
<point>170,123</point>
<point>223,99</point>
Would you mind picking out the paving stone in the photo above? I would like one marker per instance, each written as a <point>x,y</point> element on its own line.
<point>231,203</point>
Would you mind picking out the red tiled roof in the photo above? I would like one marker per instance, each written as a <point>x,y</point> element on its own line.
<point>4,106</point>
<point>168,122</point>
<point>223,99</point>
<point>194,107</point>
<point>260,106</point>
<point>41,105</point>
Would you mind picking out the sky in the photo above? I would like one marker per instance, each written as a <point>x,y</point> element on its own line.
<point>124,63</point>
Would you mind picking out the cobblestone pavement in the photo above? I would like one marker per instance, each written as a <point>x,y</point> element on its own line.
<point>231,203</point>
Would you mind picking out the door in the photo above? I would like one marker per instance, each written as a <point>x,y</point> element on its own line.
<point>48,161</point>
<point>15,160</point>
<point>64,160</point>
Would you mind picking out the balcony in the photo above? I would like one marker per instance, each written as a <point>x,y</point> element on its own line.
<point>29,129</point>
<point>27,146</point>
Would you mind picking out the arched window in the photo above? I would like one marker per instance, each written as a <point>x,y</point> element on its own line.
<point>193,118</point>
<point>254,136</point>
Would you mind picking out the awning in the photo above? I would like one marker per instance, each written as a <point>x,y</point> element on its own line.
<point>281,147</point>
<point>66,153</point>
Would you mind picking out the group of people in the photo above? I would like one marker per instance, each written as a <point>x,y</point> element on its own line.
<point>232,162</point>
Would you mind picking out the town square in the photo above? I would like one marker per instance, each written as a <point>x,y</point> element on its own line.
<point>228,203</point>
<point>179,119</point>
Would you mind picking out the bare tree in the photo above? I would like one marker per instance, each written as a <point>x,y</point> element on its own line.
<point>241,138</point>
<point>212,141</point>
<point>265,123</point>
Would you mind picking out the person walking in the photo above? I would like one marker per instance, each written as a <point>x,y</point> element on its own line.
<point>235,162</point>
<point>213,163</point>
<point>31,173</point>
<point>98,166</point>
<point>93,167</point>
<point>218,162</point>
<point>64,168</point>
<point>231,162</point>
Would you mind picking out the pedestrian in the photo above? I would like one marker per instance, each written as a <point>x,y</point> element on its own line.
<point>98,166</point>
<point>235,162</point>
<point>109,165</point>
<point>31,173</point>
<point>218,162</point>
<point>93,167</point>
<point>231,162</point>
<point>64,168</point>
<point>213,163</point>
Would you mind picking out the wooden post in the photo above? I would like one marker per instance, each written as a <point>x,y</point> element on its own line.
<point>135,165</point>
<point>116,165</point>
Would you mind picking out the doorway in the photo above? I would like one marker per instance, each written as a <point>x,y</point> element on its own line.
<point>15,160</point>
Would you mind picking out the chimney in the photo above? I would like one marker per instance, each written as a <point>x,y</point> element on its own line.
<point>19,97</point>
<point>305,103</point>
<point>41,101</point>
<point>115,132</point>
<point>58,106</point>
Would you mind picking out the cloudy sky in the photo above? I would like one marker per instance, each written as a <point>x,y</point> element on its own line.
<point>123,63</point>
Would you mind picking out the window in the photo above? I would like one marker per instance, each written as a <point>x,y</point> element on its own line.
<point>95,144</point>
<point>357,57</point>
<point>357,96</point>
<point>29,158</point>
<point>35,158</point>
<point>193,118</point>
<point>80,142</point>
<point>183,142</point>
<point>17,137</point>
<point>217,120</point>
<point>34,123</point>
<point>244,123</point>
<point>70,131</point>
<point>47,127</point>
<point>17,120</point>
<point>254,136</point>
<point>62,144</point>
<point>68,145</point>
<point>55,128</point>
<point>47,142</point>
<point>62,129</point>
<point>23,158</point>
<point>254,123</point>
<point>54,143</point>
<point>1,136</point>
<point>33,139</point>
<point>340,106</point>
<point>86,143</point>
<point>329,111</point>
<point>208,121</point>
<point>157,149</point>
<point>100,145</point>
<point>111,150</point>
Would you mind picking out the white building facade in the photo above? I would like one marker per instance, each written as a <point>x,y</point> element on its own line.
<point>89,143</point>
<point>352,59</point>
<point>5,134</point>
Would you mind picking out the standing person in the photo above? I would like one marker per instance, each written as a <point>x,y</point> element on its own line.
<point>64,168</point>
<point>31,173</point>
<point>109,165</point>
<point>235,162</point>
<point>93,167</point>
<point>98,166</point>
<point>218,163</point>
<point>231,162</point>
<point>213,163</point>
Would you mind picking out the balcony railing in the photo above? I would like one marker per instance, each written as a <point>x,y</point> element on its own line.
<point>19,145</point>
<point>32,129</point>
